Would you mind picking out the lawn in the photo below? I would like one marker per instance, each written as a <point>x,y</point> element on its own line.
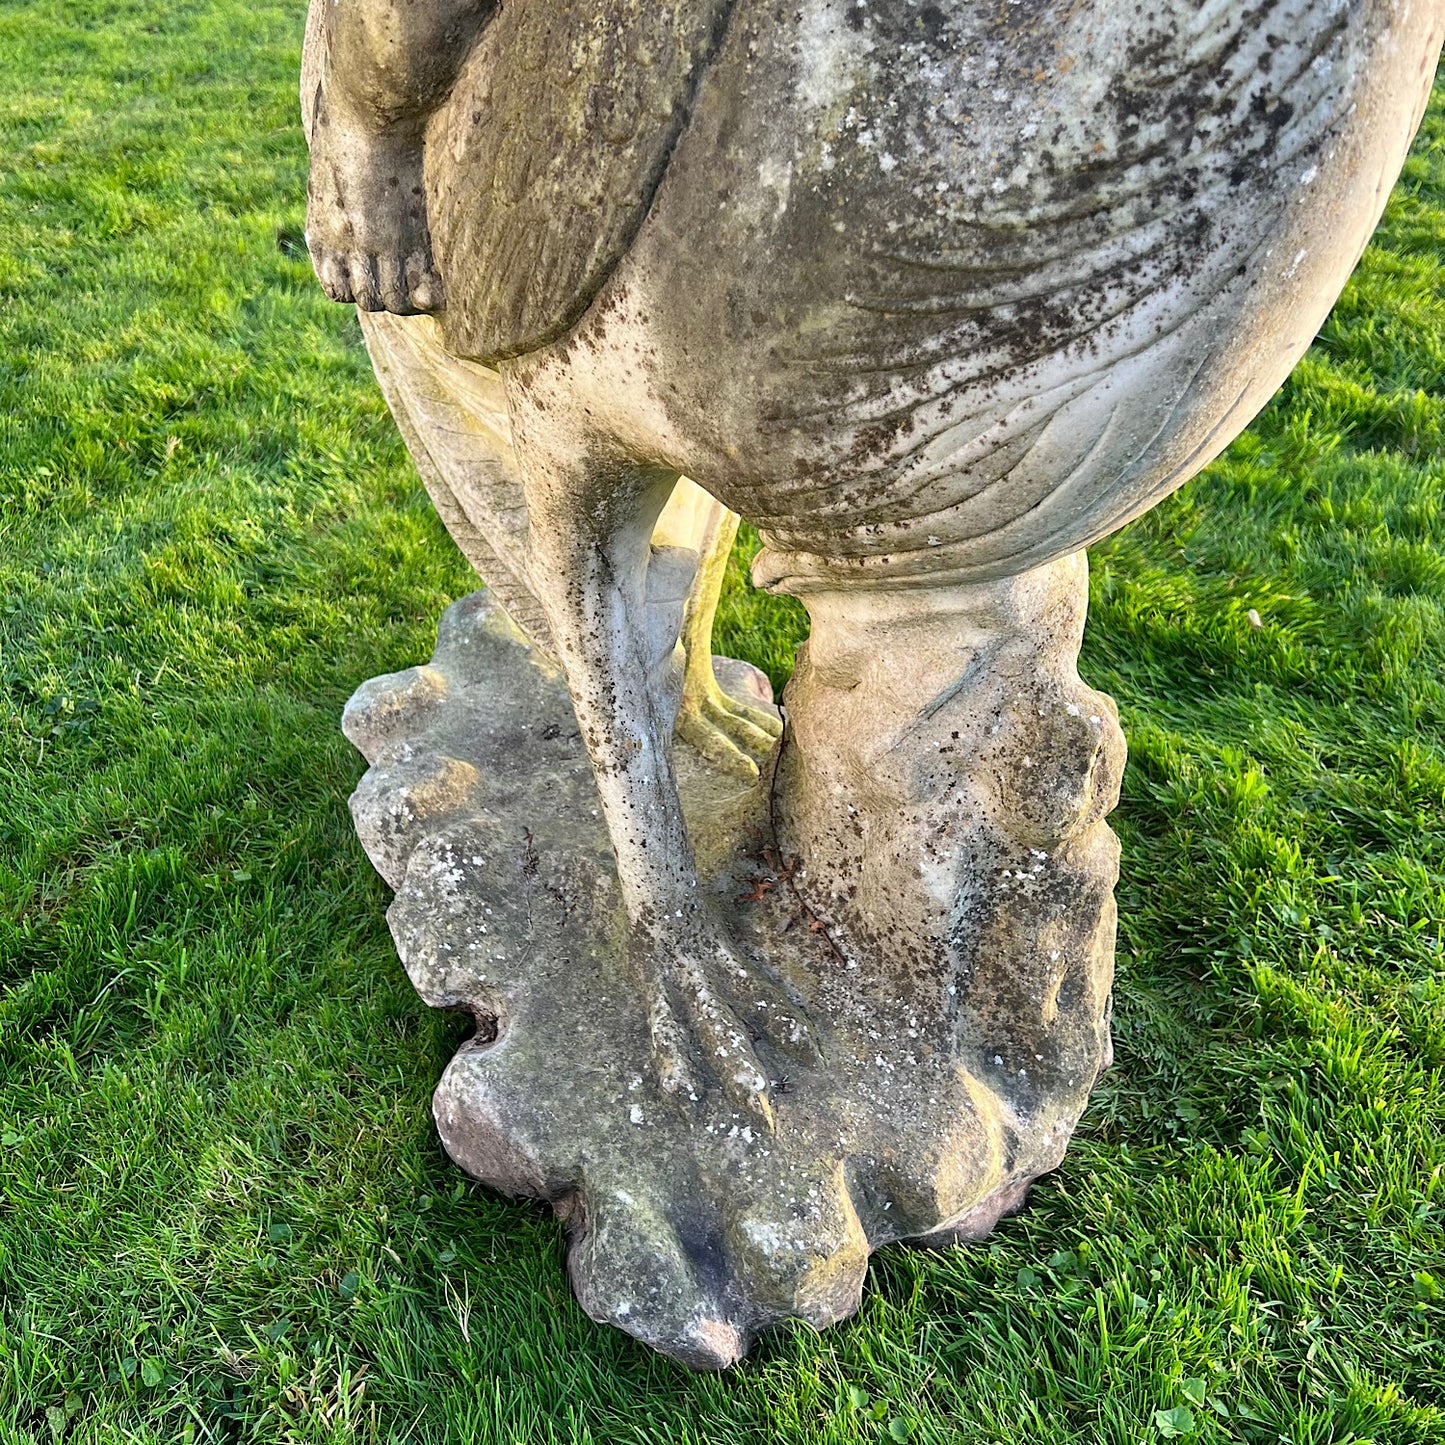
<point>224,1214</point>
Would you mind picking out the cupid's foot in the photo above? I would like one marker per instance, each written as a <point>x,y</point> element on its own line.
<point>366,222</point>
<point>710,1012</point>
<point>725,730</point>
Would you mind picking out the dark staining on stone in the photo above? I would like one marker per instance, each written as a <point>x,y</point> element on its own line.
<point>485,1030</point>
<point>1273,111</point>
<point>879,439</point>
<point>931,21</point>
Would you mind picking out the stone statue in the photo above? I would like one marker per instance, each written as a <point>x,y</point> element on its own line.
<point>935,294</point>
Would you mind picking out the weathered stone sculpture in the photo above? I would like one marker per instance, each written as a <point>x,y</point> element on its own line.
<point>936,295</point>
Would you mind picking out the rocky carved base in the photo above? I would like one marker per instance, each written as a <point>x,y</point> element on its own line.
<point>954,1061</point>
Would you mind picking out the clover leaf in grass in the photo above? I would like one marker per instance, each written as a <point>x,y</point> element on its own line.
<point>1171,1424</point>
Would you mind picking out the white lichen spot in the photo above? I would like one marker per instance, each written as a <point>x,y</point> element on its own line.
<point>831,57</point>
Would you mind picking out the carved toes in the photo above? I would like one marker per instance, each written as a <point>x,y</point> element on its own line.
<point>403,285</point>
<point>423,283</point>
<point>726,730</point>
<point>731,739</point>
<point>722,1043</point>
<point>334,275</point>
<point>712,1016</point>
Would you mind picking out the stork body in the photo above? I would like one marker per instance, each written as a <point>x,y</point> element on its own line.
<point>933,294</point>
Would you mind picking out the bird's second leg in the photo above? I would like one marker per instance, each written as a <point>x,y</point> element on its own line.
<point>724,729</point>
<point>716,1017</point>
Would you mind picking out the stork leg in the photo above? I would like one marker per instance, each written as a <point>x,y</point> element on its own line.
<point>724,729</point>
<point>614,608</point>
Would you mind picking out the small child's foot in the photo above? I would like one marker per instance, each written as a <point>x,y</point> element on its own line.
<point>366,222</point>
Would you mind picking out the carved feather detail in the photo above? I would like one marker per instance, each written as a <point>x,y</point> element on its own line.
<point>541,168</point>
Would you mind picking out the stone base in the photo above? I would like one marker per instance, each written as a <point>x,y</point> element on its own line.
<point>690,1227</point>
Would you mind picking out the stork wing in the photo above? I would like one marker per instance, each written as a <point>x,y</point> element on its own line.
<point>453,417</point>
<point>542,166</point>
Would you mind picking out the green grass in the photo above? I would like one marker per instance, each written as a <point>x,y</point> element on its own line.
<point>224,1214</point>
